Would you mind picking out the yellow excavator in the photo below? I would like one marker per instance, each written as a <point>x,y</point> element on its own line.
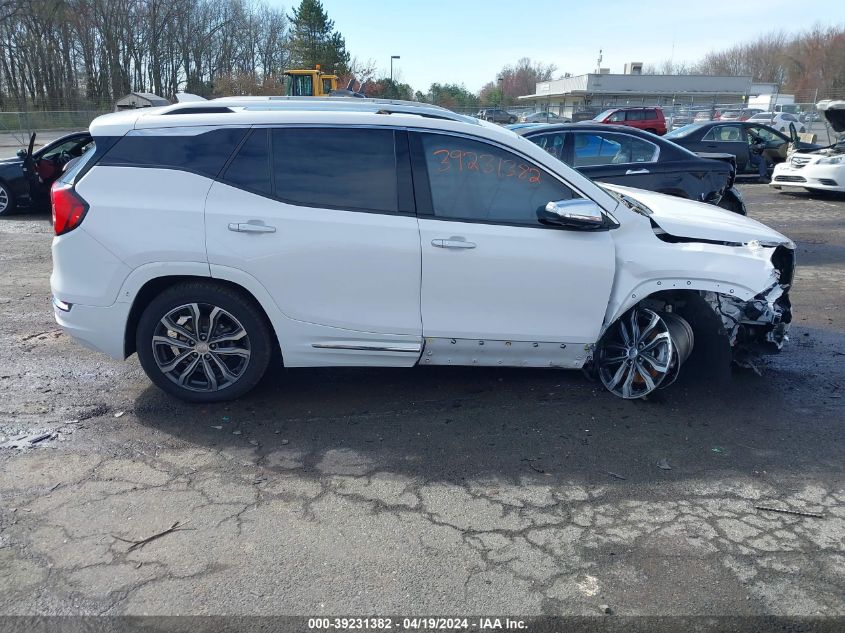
<point>309,83</point>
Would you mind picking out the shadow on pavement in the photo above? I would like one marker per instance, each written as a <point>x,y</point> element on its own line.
<point>454,424</point>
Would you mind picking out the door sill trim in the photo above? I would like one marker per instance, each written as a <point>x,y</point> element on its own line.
<point>404,348</point>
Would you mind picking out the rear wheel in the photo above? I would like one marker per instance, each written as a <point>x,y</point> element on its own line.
<point>202,342</point>
<point>643,351</point>
<point>7,200</point>
<point>652,130</point>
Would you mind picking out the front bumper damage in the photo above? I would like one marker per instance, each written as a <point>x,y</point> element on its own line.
<point>761,324</point>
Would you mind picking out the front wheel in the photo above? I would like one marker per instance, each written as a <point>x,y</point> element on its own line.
<point>202,342</point>
<point>7,201</point>
<point>643,351</point>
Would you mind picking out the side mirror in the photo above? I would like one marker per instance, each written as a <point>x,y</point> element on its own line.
<point>793,133</point>
<point>21,153</point>
<point>579,214</point>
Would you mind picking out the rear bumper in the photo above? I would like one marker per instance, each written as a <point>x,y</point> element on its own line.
<point>98,328</point>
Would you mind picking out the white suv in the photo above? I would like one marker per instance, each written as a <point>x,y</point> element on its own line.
<point>213,237</point>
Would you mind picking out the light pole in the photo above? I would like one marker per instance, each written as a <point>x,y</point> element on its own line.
<point>392,57</point>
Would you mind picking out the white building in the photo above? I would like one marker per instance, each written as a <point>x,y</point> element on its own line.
<point>594,92</point>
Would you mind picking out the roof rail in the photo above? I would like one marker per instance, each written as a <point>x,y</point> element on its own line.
<point>316,104</point>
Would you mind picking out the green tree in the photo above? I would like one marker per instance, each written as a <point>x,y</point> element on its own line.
<point>314,40</point>
<point>451,96</point>
<point>386,88</point>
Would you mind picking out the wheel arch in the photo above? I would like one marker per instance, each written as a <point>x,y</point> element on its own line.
<point>712,353</point>
<point>155,286</point>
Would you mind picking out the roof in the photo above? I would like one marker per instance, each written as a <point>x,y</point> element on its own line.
<point>256,110</point>
<point>594,83</point>
<point>154,99</point>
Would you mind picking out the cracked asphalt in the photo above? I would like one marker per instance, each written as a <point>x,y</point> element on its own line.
<point>425,491</point>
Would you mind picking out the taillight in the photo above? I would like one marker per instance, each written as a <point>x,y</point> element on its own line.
<point>68,208</point>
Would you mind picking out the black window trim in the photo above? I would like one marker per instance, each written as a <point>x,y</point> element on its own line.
<point>422,186</point>
<point>221,177</point>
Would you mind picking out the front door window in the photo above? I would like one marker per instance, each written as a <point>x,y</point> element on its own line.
<point>476,181</point>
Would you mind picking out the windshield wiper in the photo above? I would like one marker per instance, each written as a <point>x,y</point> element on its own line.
<point>628,201</point>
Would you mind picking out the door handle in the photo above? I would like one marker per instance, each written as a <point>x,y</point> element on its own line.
<point>251,227</point>
<point>636,171</point>
<point>453,242</point>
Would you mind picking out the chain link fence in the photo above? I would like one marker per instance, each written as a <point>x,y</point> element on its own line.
<point>16,127</point>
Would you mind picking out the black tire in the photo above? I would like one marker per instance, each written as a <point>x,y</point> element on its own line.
<point>6,194</point>
<point>652,130</point>
<point>512,120</point>
<point>236,310</point>
<point>730,203</point>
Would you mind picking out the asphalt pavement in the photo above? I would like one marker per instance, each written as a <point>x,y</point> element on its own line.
<point>428,490</point>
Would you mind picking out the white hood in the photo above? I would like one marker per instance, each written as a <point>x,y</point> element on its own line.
<point>697,220</point>
<point>834,112</point>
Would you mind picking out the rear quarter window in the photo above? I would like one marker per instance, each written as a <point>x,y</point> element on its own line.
<point>200,151</point>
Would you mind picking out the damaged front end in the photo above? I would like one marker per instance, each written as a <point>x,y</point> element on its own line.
<point>761,324</point>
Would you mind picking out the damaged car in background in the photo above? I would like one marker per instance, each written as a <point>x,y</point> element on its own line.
<point>633,158</point>
<point>414,236</point>
<point>817,169</point>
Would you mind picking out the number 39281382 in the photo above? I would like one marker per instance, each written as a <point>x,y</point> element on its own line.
<point>460,161</point>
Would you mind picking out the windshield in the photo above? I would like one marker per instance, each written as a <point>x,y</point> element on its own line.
<point>683,130</point>
<point>763,116</point>
<point>298,86</point>
<point>602,116</point>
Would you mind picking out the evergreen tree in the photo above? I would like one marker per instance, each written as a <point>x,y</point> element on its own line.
<point>313,39</point>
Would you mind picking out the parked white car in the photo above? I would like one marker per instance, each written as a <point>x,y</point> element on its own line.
<point>779,121</point>
<point>213,238</point>
<point>820,169</point>
<point>544,117</point>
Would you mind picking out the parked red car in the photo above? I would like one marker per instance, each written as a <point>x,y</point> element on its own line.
<point>648,119</point>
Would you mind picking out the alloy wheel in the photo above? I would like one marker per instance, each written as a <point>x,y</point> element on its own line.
<point>4,199</point>
<point>638,353</point>
<point>201,347</point>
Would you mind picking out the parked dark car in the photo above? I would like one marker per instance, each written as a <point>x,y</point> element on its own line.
<point>630,157</point>
<point>496,115</point>
<point>25,180</point>
<point>648,119</point>
<point>735,137</point>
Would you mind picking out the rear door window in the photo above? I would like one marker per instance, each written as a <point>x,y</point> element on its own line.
<point>724,134</point>
<point>335,168</point>
<point>594,148</point>
<point>635,115</point>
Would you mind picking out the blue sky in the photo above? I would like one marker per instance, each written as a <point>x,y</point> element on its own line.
<point>468,42</point>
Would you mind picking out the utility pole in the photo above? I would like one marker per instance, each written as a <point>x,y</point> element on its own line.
<point>392,57</point>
